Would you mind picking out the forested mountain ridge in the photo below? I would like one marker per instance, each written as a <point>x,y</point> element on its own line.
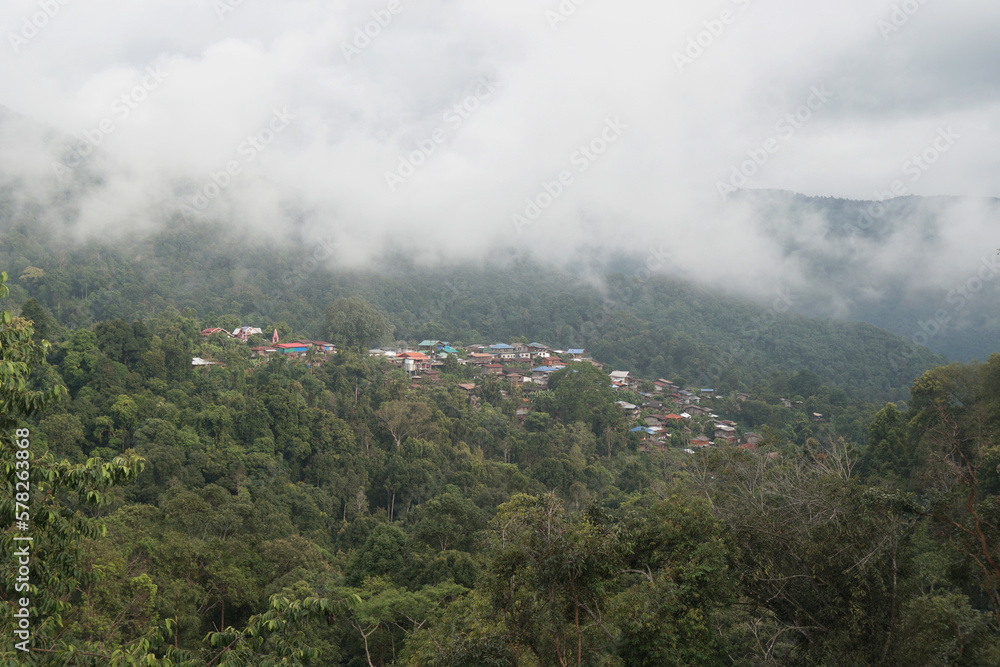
<point>334,512</point>
<point>653,325</point>
<point>924,268</point>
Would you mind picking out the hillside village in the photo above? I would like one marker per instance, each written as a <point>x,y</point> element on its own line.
<point>664,413</point>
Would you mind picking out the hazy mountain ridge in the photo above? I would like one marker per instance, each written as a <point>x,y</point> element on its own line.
<point>656,326</point>
<point>909,264</point>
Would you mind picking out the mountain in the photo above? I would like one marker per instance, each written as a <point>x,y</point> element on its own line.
<point>925,268</point>
<point>654,326</point>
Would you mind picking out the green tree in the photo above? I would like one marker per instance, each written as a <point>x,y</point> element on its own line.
<point>355,324</point>
<point>405,419</point>
<point>675,586</point>
<point>448,521</point>
<point>956,424</point>
<point>37,488</point>
<point>46,327</point>
<point>546,578</point>
<point>822,557</point>
<point>382,555</point>
<point>582,393</point>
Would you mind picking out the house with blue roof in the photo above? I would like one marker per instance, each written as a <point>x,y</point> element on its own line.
<point>432,345</point>
<point>503,351</point>
<point>576,354</point>
<point>541,374</point>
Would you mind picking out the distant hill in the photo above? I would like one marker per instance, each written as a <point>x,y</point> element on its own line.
<point>922,268</point>
<point>654,327</point>
<point>925,268</point>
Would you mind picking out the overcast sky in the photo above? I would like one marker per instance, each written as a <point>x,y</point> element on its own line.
<point>453,119</point>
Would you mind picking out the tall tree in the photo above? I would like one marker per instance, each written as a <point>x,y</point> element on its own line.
<point>43,527</point>
<point>354,323</point>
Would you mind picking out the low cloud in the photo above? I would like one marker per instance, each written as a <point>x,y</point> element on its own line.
<point>368,85</point>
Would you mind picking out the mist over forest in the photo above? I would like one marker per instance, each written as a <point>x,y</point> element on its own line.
<point>516,334</point>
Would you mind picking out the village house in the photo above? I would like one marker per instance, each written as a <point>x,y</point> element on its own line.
<point>689,397</point>
<point>291,349</point>
<point>541,374</point>
<point>539,351</point>
<point>480,358</point>
<point>700,441</point>
<point>629,408</point>
<point>514,375</point>
<point>431,375</point>
<point>503,351</point>
<point>213,330</point>
<point>723,431</point>
<point>619,378</point>
<point>413,361</point>
<point>318,345</point>
<point>244,333</point>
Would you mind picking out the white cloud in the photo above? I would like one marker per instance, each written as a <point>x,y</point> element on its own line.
<point>353,120</point>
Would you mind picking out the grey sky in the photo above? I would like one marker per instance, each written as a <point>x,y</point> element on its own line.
<point>538,81</point>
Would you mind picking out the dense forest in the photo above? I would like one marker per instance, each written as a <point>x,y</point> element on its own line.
<point>323,511</point>
<point>650,324</point>
<point>884,262</point>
